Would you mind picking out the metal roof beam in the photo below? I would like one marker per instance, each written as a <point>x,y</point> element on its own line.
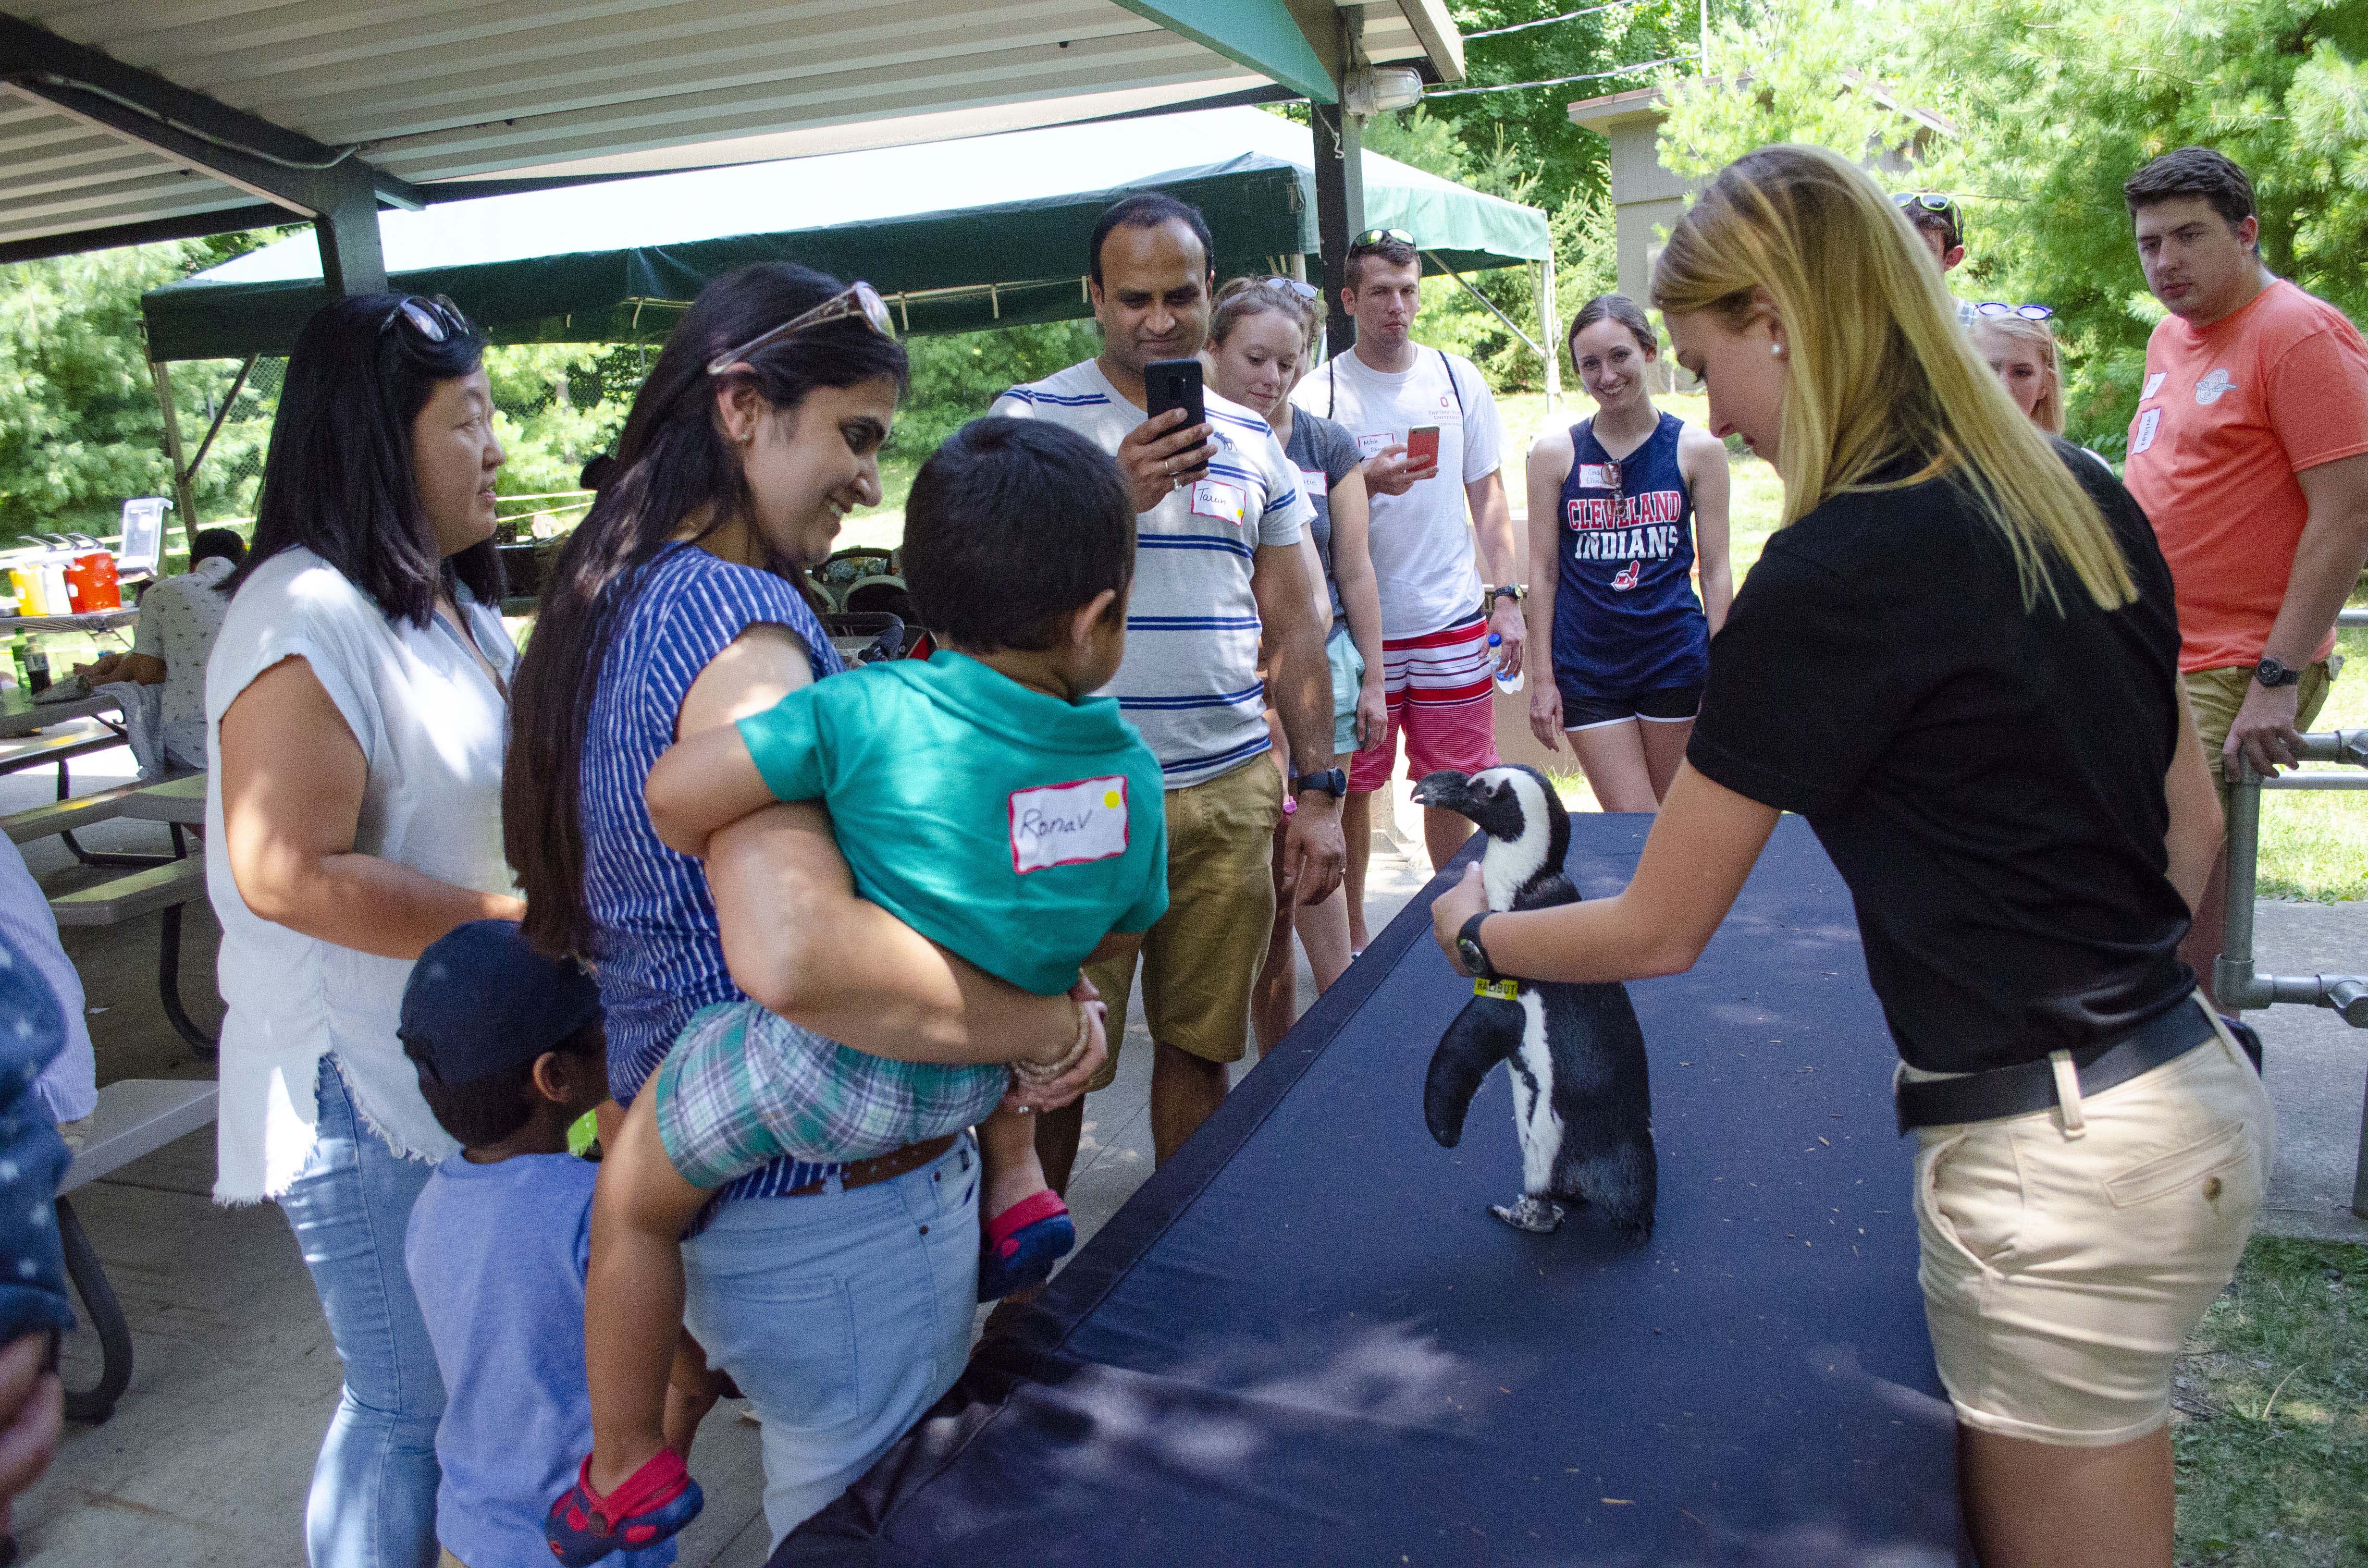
<point>190,226</point>
<point>266,160</point>
<point>1260,34</point>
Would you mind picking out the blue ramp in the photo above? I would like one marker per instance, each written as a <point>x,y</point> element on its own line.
<point>1305,1341</point>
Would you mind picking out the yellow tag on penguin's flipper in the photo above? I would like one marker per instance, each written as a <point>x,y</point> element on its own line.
<point>1503,990</point>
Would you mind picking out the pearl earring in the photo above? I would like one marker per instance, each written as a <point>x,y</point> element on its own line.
<point>1776,349</point>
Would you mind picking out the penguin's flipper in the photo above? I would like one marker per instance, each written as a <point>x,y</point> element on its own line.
<point>1483,1034</point>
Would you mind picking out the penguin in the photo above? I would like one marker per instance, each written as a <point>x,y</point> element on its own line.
<point>1582,1104</point>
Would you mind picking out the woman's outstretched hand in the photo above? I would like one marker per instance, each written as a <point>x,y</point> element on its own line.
<point>1450,909</point>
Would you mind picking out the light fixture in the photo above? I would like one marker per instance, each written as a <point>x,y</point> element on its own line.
<point>1377,89</point>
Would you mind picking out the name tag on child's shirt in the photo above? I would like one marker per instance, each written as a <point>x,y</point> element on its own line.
<point>1314,486</point>
<point>1599,476</point>
<point>1063,824</point>
<point>2149,421</point>
<point>1216,499</point>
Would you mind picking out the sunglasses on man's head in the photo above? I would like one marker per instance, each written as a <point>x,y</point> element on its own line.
<point>2028,313</point>
<point>855,300</point>
<point>1379,236</point>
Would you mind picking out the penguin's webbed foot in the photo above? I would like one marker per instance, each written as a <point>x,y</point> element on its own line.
<point>1539,1216</point>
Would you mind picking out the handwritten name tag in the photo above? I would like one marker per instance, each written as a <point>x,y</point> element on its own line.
<point>1372,445</point>
<point>2149,421</point>
<point>1065,825</point>
<point>1216,500</point>
<point>1314,486</point>
<point>1599,476</point>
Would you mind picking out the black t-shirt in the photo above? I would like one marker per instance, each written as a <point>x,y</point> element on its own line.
<point>1988,780</point>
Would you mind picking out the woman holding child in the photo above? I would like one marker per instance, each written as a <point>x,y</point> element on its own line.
<point>1958,660</point>
<point>357,703</point>
<point>840,1304</point>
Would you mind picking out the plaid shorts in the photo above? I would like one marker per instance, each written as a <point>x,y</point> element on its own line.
<point>743,1087</point>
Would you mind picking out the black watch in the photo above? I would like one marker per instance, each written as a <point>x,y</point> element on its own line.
<point>1467,945</point>
<point>1513,591</point>
<point>2271,674</point>
<point>1332,781</point>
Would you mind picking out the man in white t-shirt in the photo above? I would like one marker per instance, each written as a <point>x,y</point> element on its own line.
<point>1217,565</point>
<point>178,618</point>
<point>1436,614</point>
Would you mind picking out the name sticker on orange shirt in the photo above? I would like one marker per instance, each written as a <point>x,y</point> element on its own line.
<point>1065,825</point>
<point>2149,421</point>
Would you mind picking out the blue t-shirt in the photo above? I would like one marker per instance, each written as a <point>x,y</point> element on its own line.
<point>1626,619</point>
<point>1012,827</point>
<point>496,1256</point>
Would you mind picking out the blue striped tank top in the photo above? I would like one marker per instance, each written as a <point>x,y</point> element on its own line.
<point>655,934</point>
<point>1626,618</point>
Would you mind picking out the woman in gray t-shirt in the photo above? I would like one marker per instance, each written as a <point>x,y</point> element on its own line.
<point>1260,339</point>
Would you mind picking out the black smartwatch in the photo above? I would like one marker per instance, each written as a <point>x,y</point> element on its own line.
<point>2271,674</point>
<point>1467,947</point>
<point>1332,781</point>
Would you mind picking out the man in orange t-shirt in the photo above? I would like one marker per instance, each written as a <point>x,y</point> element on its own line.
<point>2249,453</point>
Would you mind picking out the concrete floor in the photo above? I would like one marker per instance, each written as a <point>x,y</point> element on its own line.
<point>207,1461</point>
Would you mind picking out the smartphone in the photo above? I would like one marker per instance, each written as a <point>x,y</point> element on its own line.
<point>1175,383</point>
<point>1422,445</point>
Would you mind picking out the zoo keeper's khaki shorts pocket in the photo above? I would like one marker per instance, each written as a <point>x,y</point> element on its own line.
<point>2063,1273</point>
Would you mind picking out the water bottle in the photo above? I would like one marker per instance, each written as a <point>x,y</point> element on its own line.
<point>1504,682</point>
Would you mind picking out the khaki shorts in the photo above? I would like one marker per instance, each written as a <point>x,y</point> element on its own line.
<point>2061,1274</point>
<point>1201,957</point>
<point>2213,696</point>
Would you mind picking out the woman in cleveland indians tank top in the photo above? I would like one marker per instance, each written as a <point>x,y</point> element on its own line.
<point>1620,504</point>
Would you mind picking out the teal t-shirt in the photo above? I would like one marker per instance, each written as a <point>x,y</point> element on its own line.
<point>1005,824</point>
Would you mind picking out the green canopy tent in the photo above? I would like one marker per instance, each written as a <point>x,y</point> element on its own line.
<point>960,235</point>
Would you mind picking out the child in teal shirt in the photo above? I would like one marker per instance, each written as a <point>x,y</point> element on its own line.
<point>983,799</point>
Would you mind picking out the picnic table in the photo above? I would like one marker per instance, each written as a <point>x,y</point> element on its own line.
<point>19,715</point>
<point>89,624</point>
<point>181,801</point>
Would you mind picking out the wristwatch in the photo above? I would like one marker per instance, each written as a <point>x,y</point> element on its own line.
<point>1513,591</point>
<point>1467,947</point>
<point>2271,674</point>
<point>1332,781</point>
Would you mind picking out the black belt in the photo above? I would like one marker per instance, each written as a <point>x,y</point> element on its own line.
<point>2031,1085</point>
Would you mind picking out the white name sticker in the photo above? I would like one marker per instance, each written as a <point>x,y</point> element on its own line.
<point>2153,385</point>
<point>1599,476</point>
<point>1066,824</point>
<point>1371,446</point>
<point>1214,498</point>
<point>1314,486</point>
<point>2149,419</point>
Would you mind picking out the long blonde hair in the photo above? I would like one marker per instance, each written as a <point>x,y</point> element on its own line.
<point>1881,370</point>
<point>2048,412</point>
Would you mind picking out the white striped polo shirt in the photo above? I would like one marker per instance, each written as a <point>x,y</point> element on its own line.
<point>1190,678</point>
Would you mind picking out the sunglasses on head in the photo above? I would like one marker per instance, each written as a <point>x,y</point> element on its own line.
<point>2028,313</point>
<point>855,300</point>
<point>431,317</point>
<point>1378,237</point>
<point>1293,286</point>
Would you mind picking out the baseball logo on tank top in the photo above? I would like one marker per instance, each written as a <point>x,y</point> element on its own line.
<point>1626,618</point>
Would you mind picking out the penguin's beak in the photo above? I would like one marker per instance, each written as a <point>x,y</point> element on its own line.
<point>1448,791</point>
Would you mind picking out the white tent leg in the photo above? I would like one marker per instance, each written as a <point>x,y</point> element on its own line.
<point>1550,329</point>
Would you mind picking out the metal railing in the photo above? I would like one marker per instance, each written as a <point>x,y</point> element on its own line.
<point>2234,979</point>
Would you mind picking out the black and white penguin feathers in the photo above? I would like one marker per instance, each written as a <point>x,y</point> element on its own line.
<point>1582,1103</point>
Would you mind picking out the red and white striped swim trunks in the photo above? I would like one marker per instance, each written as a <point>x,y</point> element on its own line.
<point>1441,687</point>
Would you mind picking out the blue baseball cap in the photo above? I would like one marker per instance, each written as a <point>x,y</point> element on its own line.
<point>479,1002</point>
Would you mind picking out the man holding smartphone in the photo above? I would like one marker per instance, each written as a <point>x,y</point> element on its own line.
<point>1436,615</point>
<point>1220,511</point>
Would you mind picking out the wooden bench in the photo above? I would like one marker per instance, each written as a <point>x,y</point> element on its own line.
<point>135,1116</point>
<point>158,890</point>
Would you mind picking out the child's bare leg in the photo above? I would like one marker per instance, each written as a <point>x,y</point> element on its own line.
<point>1006,1146</point>
<point>633,1295</point>
<point>691,1392</point>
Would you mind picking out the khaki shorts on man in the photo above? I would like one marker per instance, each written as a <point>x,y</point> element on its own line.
<point>2214,695</point>
<point>1199,958</point>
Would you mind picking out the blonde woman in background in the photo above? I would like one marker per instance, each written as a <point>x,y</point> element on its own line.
<point>2019,346</point>
<point>1958,660</point>
<point>1261,340</point>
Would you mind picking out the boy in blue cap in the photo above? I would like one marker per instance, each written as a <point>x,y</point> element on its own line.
<point>511,1053</point>
<point>985,799</point>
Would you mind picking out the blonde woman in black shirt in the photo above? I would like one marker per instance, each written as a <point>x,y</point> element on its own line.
<point>1958,660</point>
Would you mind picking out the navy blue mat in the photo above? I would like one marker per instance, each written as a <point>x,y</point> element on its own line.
<point>1305,1340</point>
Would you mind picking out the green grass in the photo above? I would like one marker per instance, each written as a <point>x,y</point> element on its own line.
<point>2270,1414</point>
<point>2315,842</point>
